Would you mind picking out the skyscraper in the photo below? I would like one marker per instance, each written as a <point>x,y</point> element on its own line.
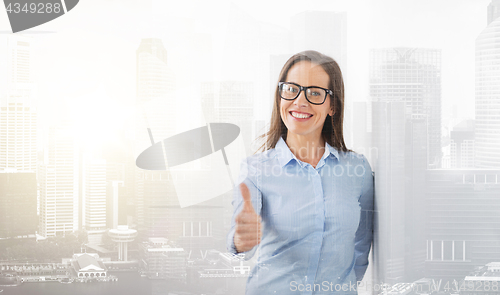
<point>227,102</point>
<point>405,93</point>
<point>59,184</point>
<point>411,75</point>
<point>94,190</point>
<point>493,10</point>
<point>18,116</point>
<point>389,139</point>
<point>487,134</point>
<point>155,106</point>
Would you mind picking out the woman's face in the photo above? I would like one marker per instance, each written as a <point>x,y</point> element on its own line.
<point>302,118</point>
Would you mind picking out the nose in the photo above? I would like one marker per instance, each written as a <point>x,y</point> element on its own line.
<point>301,100</point>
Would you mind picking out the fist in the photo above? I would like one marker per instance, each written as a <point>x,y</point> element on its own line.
<point>248,230</point>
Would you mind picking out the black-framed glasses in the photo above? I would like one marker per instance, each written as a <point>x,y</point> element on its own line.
<point>314,94</point>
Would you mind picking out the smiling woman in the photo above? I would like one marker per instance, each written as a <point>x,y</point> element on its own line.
<point>306,201</point>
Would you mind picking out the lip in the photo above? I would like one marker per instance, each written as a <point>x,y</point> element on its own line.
<point>300,119</point>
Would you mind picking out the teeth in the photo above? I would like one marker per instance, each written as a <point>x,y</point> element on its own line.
<point>300,116</point>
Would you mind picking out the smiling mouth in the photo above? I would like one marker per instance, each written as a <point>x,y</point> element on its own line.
<point>300,115</point>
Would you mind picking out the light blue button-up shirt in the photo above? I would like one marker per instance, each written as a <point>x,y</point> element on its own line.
<point>317,223</point>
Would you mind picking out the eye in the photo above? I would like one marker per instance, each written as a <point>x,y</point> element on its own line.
<point>315,92</point>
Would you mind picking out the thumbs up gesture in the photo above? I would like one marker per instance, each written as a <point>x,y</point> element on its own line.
<point>248,226</point>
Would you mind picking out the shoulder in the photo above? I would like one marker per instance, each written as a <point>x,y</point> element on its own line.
<point>354,158</point>
<point>359,165</point>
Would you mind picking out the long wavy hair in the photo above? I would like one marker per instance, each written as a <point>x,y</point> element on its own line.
<point>332,131</point>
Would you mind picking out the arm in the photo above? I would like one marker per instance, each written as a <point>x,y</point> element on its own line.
<point>239,205</point>
<point>364,234</point>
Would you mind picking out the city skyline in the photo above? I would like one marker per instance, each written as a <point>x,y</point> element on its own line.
<point>85,118</point>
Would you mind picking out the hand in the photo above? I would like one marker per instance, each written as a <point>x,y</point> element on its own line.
<point>248,226</point>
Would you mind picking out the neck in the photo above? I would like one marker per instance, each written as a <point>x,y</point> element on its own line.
<point>306,149</point>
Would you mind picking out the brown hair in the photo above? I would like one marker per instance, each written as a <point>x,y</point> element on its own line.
<point>332,128</point>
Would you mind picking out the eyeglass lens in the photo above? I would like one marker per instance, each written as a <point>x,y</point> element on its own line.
<point>313,94</point>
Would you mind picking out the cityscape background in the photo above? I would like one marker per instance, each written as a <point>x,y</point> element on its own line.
<point>82,96</point>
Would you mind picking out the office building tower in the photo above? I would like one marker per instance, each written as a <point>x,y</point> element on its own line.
<point>18,116</point>
<point>156,117</point>
<point>411,75</point>
<point>116,206</point>
<point>400,161</point>
<point>154,79</point>
<point>18,195</point>
<point>388,138</point>
<point>227,102</point>
<point>59,184</point>
<point>120,179</point>
<point>155,102</point>
<point>20,66</point>
<point>94,199</point>
<point>462,221</point>
<point>462,145</point>
<point>493,10</point>
<point>18,133</point>
<point>487,135</point>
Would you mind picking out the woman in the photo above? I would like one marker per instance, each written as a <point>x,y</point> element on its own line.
<point>306,202</point>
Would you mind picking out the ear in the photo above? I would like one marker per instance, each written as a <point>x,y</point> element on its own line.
<point>331,113</point>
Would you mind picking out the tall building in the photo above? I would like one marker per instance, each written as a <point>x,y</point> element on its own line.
<point>17,204</point>
<point>487,135</point>
<point>18,133</point>
<point>155,102</point>
<point>411,75</point>
<point>156,117</point>
<point>18,116</point>
<point>400,162</point>
<point>388,138</point>
<point>120,179</point>
<point>228,102</point>
<point>405,89</point>
<point>94,199</point>
<point>59,184</point>
<point>493,10</point>
<point>116,206</point>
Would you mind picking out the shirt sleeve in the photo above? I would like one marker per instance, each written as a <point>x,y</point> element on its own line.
<point>364,233</point>
<point>247,176</point>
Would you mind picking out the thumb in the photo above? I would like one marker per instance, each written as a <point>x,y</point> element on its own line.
<point>247,198</point>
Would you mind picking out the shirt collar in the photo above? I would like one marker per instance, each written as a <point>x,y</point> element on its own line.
<point>285,155</point>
